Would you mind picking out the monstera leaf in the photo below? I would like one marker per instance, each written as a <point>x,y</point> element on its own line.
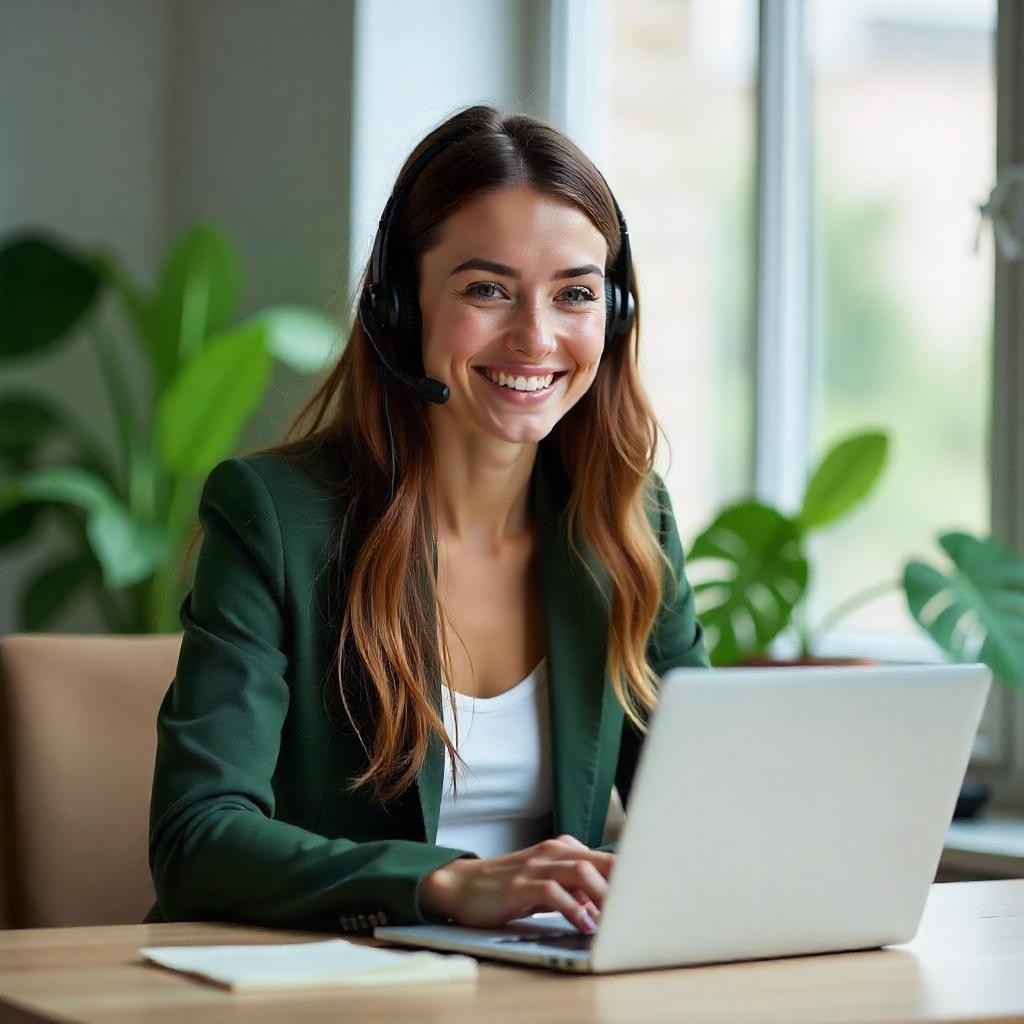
<point>976,610</point>
<point>748,572</point>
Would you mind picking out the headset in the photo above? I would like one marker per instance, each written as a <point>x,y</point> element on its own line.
<point>389,307</point>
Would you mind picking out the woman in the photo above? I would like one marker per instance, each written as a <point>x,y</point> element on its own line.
<point>468,508</point>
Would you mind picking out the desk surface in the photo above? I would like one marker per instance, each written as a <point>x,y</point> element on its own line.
<point>965,964</point>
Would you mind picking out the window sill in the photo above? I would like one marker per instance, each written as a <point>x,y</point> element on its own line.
<point>990,846</point>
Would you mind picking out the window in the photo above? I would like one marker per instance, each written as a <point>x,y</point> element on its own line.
<point>904,121</point>
<point>851,295</point>
<point>688,198</point>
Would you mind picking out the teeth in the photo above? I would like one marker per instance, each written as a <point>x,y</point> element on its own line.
<point>520,383</point>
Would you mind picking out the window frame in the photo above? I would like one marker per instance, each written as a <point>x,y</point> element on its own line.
<point>1007,426</point>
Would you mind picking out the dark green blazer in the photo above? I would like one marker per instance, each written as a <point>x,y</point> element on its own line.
<point>249,819</point>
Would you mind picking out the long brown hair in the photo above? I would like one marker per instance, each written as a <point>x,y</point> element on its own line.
<point>389,630</point>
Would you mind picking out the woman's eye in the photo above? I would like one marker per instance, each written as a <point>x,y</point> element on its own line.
<point>472,289</point>
<point>576,295</point>
<point>582,294</point>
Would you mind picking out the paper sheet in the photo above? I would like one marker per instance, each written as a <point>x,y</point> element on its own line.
<point>334,963</point>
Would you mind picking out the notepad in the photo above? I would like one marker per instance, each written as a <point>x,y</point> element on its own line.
<point>334,963</point>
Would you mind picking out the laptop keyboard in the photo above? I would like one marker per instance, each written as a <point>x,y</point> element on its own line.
<point>579,941</point>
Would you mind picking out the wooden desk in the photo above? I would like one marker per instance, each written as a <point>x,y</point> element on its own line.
<point>965,964</point>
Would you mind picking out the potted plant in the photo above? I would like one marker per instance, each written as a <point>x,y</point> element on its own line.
<point>759,574</point>
<point>972,607</point>
<point>128,517</point>
<point>750,568</point>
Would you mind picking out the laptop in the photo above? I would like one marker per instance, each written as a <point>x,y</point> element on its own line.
<point>774,812</point>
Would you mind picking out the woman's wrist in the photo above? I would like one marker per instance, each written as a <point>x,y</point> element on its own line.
<point>438,892</point>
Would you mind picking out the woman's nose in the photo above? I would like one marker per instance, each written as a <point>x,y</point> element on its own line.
<point>531,333</point>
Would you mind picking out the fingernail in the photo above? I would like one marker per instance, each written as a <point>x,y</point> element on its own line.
<point>588,923</point>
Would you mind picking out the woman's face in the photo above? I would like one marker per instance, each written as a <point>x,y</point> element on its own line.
<point>512,297</point>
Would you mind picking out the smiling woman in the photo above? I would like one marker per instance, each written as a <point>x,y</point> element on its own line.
<point>466,507</point>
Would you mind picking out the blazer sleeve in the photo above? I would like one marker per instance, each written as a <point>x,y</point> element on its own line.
<point>677,639</point>
<point>215,848</point>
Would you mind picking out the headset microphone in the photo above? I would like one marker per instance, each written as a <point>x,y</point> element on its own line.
<point>426,387</point>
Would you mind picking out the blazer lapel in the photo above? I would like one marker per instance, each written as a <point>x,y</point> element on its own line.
<point>585,717</point>
<point>430,779</point>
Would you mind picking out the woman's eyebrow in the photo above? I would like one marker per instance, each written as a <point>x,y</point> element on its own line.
<point>479,263</point>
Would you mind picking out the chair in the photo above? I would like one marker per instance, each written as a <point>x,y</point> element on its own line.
<point>77,749</point>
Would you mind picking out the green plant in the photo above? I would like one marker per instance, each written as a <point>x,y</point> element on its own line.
<point>975,610</point>
<point>759,574</point>
<point>129,517</point>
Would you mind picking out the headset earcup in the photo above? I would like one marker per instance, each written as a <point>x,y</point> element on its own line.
<point>385,306</point>
<point>610,308</point>
<point>368,312</point>
<point>628,313</point>
<point>409,326</point>
<point>618,311</point>
<point>614,306</point>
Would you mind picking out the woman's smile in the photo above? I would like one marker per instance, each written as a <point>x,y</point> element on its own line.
<point>520,386</point>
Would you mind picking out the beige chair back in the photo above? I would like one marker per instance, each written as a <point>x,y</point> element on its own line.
<point>77,748</point>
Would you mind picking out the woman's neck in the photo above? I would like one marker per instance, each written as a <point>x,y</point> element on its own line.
<point>481,491</point>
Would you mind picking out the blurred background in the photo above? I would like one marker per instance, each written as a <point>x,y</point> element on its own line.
<point>809,187</point>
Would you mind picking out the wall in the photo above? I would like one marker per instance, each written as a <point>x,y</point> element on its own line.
<point>124,121</point>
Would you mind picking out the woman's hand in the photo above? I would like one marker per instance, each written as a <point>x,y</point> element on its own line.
<point>556,874</point>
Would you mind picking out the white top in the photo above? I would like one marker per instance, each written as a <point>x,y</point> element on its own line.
<point>505,801</point>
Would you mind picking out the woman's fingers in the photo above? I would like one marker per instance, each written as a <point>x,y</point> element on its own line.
<point>567,847</point>
<point>572,874</point>
<point>552,896</point>
<point>604,862</point>
<point>559,875</point>
<point>581,896</point>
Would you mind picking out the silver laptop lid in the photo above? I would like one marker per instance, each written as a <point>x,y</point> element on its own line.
<point>782,811</point>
